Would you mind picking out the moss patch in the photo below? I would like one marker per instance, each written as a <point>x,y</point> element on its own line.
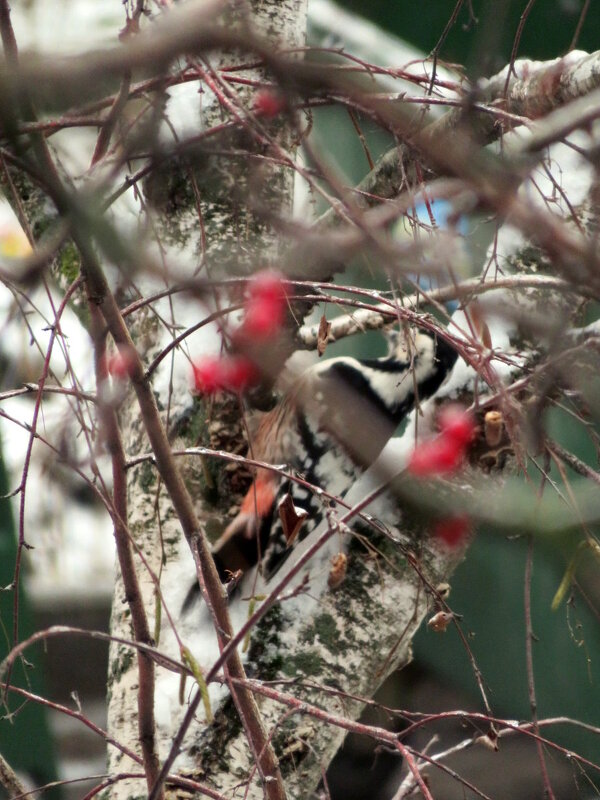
<point>265,660</point>
<point>147,477</point>
<point>326,631</point>
<point>69,262</point>
<point>307,663</point>
<point>119,665</point>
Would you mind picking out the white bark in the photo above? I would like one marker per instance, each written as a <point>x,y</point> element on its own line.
<point>233,236</point>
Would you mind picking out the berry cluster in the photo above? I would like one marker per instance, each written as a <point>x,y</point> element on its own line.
<point>264,312</point>
<point>444,455</point>
<point>268,103</point>
<point>120,365</point>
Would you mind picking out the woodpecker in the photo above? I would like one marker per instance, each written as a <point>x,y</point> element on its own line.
<point>328,428</point>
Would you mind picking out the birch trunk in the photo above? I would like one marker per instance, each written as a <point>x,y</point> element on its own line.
<point>204,224</point>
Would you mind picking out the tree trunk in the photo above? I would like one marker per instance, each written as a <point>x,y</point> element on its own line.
<point>204,224</point>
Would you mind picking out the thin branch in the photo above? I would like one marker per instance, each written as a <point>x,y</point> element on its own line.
<point>434,55</point>
<point>10,780</point>
<point>515,48</point>
<point>146,682</point>
<point>183,504</point>
<point>571,460</point>
<point>529,636</point>
<point>385,313</point>
<point>174,780</point>
<point>27,461</point>
<point>579,26</point>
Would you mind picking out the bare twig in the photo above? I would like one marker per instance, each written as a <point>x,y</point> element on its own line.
<point>146,683</point>
<point>385,313</point>
<point>10,780</point>
<point>529,636</point>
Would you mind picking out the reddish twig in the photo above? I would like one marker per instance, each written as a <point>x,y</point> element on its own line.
<point>183,505</point>
<point>27,461</point>
<point>141,631</point>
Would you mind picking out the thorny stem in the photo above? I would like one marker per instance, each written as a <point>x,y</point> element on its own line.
<point>146,667</point>
<point>207,572</point>
<point>375,317</point>
<point>503,726</point>
<point>141,631</point>
<point>27,461</point>
<point>99,293</point>
<point>201,557</point>
<point>388,737</point>
<point>230,649</point>
<point>61,630</point>
<point>174,780</point>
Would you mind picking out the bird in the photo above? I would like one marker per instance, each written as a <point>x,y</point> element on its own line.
<point>328,428</point>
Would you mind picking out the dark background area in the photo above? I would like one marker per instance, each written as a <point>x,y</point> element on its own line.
<point>486,45</point>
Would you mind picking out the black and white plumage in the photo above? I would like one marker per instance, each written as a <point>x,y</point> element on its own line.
<point>330,426</point>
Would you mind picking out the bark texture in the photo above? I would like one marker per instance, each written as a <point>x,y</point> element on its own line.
<point>205,223</point>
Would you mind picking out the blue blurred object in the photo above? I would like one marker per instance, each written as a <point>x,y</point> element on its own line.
<point>443,261</point>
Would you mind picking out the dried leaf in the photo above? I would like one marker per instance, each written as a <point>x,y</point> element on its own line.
<point>486,336</point>
<point>291,518</point>
<point>337,573</point>
<point>479,324</point>
<point>323,335</point>
<point>569,576</point>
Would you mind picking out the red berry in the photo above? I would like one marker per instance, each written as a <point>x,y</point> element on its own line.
<point>231,374</point>
<point>453,530</point>
<point>263,318</point>
<point>267,283</point>
<point>207,375</point>
<point>268,103</point>
<point>121,363</point>
<point>440,456</point>
<point>265,306</point>
<point>457,424</point>
<point>238,373</point>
